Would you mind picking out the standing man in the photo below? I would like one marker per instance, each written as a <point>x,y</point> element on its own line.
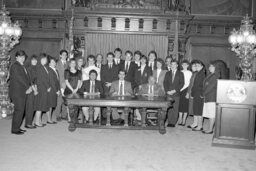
<point>168,60</point>
<point>61,110</point>
<point>18,91</point>
<point>109,73</point>
<point>152,56</point>
<point>99,61</point>
<point>173,83</point>
<point>91,66</point>
<point>129,67</point>
<point>118,55</point>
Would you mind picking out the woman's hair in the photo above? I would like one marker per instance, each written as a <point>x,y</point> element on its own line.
<point>29,59</point>
<point>217,68</point>
<point>20,53</point>
<point>160,61</point>
<point>152,52</point>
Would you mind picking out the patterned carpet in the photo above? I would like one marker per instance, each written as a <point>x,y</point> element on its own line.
<point>53,148</point>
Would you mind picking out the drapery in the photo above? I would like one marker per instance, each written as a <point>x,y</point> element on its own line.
<point>107,42</point>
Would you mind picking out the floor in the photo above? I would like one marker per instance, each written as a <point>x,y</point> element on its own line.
<point>54,148</point>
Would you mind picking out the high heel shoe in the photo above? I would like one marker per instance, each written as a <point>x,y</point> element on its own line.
<point>189,126</point>
<point>194,129</point>
<point>40,125</point>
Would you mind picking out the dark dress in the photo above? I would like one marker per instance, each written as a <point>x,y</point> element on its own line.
<point>197,93</point>
<point>72,79</point>
<point>42,81</point>
<point>55,87</point>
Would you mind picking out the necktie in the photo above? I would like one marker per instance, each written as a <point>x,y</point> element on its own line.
<point>110,66</point>
<point>121,88</point>
<point>117,62</point>
<point>92,87</point>
<point>127,66</point>
<point>173,75</point>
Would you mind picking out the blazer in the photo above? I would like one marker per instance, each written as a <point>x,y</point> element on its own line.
<point>158,91</point>
<point>109,75</point>
<point>197,89</point>
<point>61,69</point>
<point>19,81</point>
<point>120,63</point>
<point>87,85</point>
<point>131,71</point>
<point>177,83</point>
<point>161,77</point>
<point>139,78</point>
<point>210,88</point>
<point>115,88</point>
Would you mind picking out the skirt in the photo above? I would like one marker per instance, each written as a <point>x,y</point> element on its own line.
<point>183,106</point>
<point>190,106</point>
<point>209,110</point>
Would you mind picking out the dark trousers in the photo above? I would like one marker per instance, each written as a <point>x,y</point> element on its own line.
<point>18,114</point>
<point>173,112</point>
<point>60,110</point>
<point>29,109</point>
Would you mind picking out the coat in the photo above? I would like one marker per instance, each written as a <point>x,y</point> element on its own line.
<point>210,88</point>
<point>55,87</point>
<point>87,85</point>
<point>142,78</point>
<point>176,84</point>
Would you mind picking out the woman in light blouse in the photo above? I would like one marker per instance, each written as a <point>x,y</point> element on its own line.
<point>183,105</point>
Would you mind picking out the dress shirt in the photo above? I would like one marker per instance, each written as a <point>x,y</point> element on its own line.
<point>142,69</point>
<point>151,65</point>
<point>92,87</point>
<point>99,66</point>
<point>173,74</point>
<point>110,65</point>
<point>119,91</point>
<point>150,89</point>
<point>158,71</point>
<point>117,61</point>
<point>187,75</point>
<point>137,63</point>
<point>127,65</point>
<point>169,68</point>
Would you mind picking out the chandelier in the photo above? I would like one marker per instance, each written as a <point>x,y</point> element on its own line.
<point>9,36</point>
<point>243,42</point>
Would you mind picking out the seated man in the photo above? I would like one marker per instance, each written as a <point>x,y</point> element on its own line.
<point>120,88</point>
<point>91,87</point>
<point>150,89</point>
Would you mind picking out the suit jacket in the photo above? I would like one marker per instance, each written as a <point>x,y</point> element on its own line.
<point>87,85</point>
<point>61,69</point>
<point>176,84</point>
<point>210,88</point>
<point>158,91</point>
<point>115,88</point>
<point>109,75</point>
<point>139,78</point>
<point>197,88</point>
<point>154,66</point>
<point>131,72</point>
<point>120,63</point>
<point>19,81</point>
<point>161,77</point>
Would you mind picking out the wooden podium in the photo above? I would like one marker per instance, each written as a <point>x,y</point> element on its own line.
<point>235,114</point>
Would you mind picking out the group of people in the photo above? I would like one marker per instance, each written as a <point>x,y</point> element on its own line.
<point>39,84</point>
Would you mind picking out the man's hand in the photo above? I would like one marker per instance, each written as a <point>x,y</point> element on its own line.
<point>187,96</point>
<point>171,92</point>
<point>49,89</point>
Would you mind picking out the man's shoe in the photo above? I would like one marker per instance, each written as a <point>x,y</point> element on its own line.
<point>18,133</point>
<point>30,126</point>
<point>171,125</point>
<point>22,130</point>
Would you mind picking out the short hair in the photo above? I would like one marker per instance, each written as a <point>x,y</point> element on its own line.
<point>20,53</point>
<point>128,51</point>
<point>99,54</point>
<point>137,52</point>
<point>91,57</point>
<point>110,53</point>
<point>121,70</point>
<point>93,71</point>
<point>168,57</point>
<point>153,52</point>
<point>160,61</point>
<point>43,55</point>
<point>62,51</point>
<point>174,61</point>
<point>51,58</point>
<point>118,50</point>
<point>143,56</point>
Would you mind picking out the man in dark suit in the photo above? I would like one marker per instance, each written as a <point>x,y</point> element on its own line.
<point>18,91</point>
<point>60,110</point>
<point>152,56</point>
<point>109,73</point>
<point>129,67</point>
<point>173,82</point>
<point>142,73</point>
<point>118,57</point>
<point>91,87</point>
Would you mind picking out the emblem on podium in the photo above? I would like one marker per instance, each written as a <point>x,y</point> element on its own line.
<point>236,93</point>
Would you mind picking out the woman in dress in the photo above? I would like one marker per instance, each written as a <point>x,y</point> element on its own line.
<point>197,95</point>
<point>30,65</point>
<point>183,105</point>
<point>209,93</point>
<point>188,95</point>
<point>55,88</point>
<point>43,87</point>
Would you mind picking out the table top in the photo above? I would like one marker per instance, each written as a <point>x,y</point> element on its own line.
<point>120,101</point>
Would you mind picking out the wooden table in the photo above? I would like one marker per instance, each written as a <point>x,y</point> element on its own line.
<point>127,102</point>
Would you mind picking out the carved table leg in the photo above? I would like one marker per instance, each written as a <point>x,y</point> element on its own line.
<point>143,117</point>
<point>73,116</point>
<point>126,114</point>
<point>161,118</point>
<point>108,116</point>
<point>91,112</point>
